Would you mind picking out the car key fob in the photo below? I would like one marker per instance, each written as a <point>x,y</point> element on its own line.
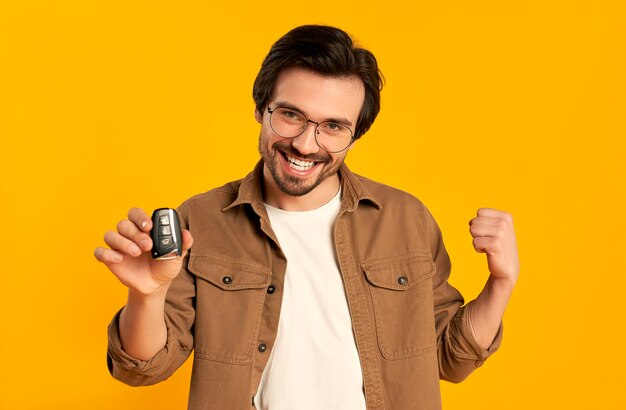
<point>167,240</point>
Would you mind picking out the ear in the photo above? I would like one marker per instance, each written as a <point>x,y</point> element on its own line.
<point>258,117</point>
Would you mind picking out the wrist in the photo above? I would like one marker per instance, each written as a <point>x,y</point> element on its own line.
<point>500,283</point>
<point>157,296</point>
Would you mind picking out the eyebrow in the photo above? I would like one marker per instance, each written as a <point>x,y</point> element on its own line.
<point>338,120</point>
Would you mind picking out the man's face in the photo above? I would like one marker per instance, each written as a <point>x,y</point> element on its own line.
<point>298,165</point>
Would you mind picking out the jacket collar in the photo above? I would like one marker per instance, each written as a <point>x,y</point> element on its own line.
<point>352,191</point>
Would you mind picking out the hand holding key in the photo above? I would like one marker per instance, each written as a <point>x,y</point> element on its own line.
<point>129,256</point>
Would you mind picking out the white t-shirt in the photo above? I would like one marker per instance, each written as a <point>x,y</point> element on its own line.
<point>314,363</point>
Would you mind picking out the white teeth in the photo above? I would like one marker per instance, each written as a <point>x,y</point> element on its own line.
<point>298,163</point>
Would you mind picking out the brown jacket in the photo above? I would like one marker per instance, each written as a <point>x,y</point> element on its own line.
<point>409,326</point>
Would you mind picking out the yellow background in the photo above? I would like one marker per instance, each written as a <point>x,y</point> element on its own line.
<point>518,105</point>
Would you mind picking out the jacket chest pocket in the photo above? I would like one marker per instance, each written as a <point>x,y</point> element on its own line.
<point>402,296</point>
<point>229,304</point>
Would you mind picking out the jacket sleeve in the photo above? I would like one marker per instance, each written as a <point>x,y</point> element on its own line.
<point>459,353</point>
<point>179,320</point>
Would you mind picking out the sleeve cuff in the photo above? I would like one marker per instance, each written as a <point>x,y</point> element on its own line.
<point>468,348</point>
<point>121,364</point>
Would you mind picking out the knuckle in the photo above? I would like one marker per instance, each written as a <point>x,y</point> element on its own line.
<point>504,215</point>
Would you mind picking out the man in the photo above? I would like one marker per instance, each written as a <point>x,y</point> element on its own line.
<point>308,287</point>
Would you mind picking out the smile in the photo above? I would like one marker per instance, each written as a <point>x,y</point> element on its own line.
<point>298,164</point>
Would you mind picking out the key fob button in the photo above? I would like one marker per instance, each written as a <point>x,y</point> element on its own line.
<point>166,234</point>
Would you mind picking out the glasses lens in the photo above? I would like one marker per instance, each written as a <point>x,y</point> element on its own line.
<point>333,137</point>
<point>287,123</point>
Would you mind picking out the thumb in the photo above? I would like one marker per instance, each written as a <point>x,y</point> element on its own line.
<point>187,241</point>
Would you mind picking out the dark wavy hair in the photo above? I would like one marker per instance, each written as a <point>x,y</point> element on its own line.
<point>327,51</point>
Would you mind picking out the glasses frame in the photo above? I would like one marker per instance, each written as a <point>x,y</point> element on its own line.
<point>317,124</point>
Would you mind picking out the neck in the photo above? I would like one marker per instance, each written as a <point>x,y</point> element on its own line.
<point>319,196</point>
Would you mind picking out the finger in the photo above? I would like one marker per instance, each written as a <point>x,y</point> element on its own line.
<point>129,230</point>
<point>483,244</point>
<point>490,226</point>
<point>484,230</point>
<point>187,241</point>
<point>107,256</point>
<point>490,220</point>
<point>494,213</point>
<point>121,244</point>
<point>140,218</point>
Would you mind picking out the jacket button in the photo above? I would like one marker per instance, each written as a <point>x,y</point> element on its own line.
<point>262,347</point>
<point>271,289</point>
<point>402,280</point>
<point>227,280</point>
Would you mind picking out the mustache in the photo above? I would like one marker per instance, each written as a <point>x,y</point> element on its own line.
<point>289,149</point>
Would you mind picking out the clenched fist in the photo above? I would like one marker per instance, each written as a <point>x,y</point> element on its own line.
<point>494,235</point>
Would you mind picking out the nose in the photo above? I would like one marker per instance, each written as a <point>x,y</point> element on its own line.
<point>305,143</point>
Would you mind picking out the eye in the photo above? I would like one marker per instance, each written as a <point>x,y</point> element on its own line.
<point>333,127</point>
<point>289,115</point>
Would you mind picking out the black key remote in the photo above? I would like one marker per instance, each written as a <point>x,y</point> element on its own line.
<point>167,241</point>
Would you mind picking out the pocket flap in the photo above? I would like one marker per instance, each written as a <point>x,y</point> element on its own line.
<point>399,272</point>
<point>228,274</point>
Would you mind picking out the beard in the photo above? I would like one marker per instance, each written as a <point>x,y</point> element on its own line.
<point>292,185</point>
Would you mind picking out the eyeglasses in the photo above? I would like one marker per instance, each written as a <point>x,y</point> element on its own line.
<point>331,136</point>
